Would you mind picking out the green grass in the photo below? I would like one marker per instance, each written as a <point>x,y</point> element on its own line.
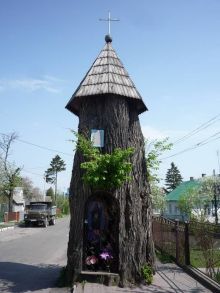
<point>197,258</point>
<point>163,257</point>
<point>5,225</point>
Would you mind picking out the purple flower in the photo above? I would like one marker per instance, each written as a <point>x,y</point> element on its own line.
<point>106,255</point>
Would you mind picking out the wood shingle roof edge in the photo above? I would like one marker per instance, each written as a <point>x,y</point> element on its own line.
<point>89,89</point>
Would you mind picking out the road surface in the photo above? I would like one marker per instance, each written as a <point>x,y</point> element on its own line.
<point>31,258</point>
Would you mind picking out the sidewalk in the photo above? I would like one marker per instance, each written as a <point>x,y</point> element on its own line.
<point>169,278</point>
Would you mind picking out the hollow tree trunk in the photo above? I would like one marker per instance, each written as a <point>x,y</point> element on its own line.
<point>119,119</point>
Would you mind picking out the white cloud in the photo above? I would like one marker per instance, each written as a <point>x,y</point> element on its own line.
<point>47,83</point>
<point>152,133</point>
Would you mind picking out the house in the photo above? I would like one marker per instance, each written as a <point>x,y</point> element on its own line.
<point>172,210</point>
<point>18,200</point>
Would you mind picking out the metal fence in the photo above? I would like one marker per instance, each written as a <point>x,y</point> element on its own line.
<point>204,244</point>
<point>171,238</point>
<point>196,244</point>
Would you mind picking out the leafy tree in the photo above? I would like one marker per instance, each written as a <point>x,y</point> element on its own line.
<point>10,176</point>
<point>104,171</point>
<point>154,149</point>
<point>37,193</point>
<point>195,200</point>
<point>63,204</point>
<point>157,196</point>
<point>50,193</point>
<point>57,165</point>
<point>27,185</point>
<point>173,177</point>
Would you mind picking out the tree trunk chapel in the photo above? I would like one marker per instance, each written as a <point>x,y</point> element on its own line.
<point>110,230</point>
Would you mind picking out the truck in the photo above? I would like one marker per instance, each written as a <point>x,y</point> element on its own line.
<point>40,213</point>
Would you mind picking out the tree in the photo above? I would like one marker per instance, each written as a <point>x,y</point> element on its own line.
<point>173,177</point>
<point>27,185</point>
<point>191,204</point>
<point>195,200</point>
<point>157,195</point>
<point>10,176</point>
<point>154,149</point>
<point>111,109</point>
<point>57,165</point>
<point>63,204</point>
<point>37,194</point>
<point>50,193</point>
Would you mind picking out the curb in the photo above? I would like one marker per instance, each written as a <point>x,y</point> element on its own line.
<point>202,279</point>
<point>6,228</point>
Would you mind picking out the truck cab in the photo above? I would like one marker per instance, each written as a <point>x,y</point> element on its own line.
<point>40,213</point>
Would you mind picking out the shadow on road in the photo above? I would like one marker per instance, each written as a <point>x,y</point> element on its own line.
<point>18,278</point>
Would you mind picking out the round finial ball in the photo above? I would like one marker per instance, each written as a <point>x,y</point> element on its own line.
<point>108,39</point>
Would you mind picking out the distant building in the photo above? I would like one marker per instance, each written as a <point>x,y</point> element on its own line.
<point>172,210</point>
<point>18,200</point>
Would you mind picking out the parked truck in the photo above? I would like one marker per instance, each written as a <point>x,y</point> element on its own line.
<point>40,213</point>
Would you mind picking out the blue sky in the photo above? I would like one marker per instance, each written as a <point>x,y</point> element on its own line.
<point>171,50</point>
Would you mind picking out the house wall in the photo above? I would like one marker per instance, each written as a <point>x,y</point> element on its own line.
<point>18,208</point>
<point>172,211</point>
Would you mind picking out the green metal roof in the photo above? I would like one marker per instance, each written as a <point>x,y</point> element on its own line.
<point>181,189</point>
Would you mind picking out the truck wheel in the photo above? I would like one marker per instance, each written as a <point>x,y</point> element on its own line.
<point>53,221</point>
<point>45,223</point>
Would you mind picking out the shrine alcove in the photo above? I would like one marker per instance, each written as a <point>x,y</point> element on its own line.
<point>101,233</point>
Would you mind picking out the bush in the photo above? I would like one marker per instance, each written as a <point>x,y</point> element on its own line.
<point>63,204</point>
<point>104,171</point>
<point>147,273</point>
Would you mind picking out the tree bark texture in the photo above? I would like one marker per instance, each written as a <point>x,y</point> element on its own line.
<point>119,119</point>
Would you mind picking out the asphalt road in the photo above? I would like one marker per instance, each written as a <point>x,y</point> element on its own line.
<point>31,258</point>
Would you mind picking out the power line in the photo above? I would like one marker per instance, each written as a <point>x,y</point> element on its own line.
<point>40,175</point>
<point>199,144</point>
<point>40,146</point>
<point>198,129</point>
<point>43,147</point>
<point>21,168</point>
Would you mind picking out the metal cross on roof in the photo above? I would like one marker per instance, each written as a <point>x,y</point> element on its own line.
<point>109,19</point>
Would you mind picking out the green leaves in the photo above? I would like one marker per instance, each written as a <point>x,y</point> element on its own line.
<point>154,149</point>
<point>57,165</point>
<point>104,171</point>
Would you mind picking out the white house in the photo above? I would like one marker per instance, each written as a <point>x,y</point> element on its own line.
<point>18,200</point>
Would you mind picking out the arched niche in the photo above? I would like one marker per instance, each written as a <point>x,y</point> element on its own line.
<point>101,233</point>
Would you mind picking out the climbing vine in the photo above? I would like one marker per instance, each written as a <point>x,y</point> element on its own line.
<point>104,171</point>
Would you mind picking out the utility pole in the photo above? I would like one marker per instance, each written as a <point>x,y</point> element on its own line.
<point>218,161</point>
<point>215,189</point>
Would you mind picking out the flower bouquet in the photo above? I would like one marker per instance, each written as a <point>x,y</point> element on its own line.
<point>106,257</point>
<point>91,261</point>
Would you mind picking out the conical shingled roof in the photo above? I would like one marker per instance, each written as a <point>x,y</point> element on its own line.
<point>107,75</point>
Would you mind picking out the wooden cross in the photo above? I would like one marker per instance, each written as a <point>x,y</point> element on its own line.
<point>109,19</point>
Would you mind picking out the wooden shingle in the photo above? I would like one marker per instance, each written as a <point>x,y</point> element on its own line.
<point>107,75</point>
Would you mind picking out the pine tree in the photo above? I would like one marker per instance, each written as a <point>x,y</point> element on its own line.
<point>173,177</point>
<point>57,165</point>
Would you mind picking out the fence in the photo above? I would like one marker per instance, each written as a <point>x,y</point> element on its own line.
<point>11,216</point>
<point>195,244</point>
<point>1,217</point>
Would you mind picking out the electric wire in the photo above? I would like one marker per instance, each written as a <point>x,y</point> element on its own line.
<point>199,144</point>
<point>198,129</point>
<point>39,146</point>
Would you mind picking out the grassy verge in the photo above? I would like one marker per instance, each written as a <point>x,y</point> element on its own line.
<point>6,225</point>
<point>197,258</point>
<point>163,257</point>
